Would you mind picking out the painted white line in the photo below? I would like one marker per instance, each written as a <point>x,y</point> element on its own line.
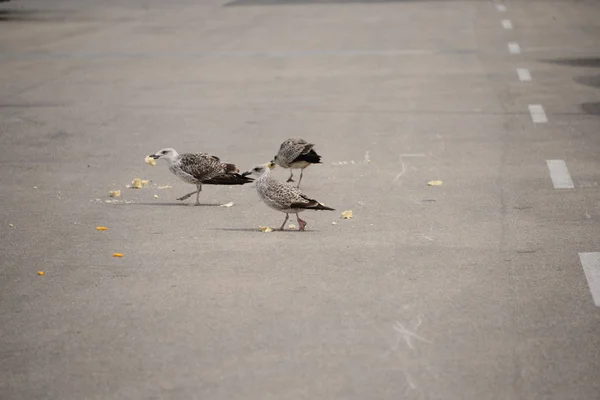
<point>506,24</point>
<point>524,74</point>
<point>514,48</point>
<point>501,7</point>
<point>538,115</point>
<point>559,173</point>
<point>591,268</point>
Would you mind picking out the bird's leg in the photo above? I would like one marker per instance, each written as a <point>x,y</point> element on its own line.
<point>187,196</point>
<point>301,223</point>
<point>300,180</point>
<point>198,194</point>
<point>291,174</point>
<point>284,221</point>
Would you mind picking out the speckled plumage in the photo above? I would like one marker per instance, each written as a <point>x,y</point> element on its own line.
<point>197,168</point>
<point>296,153</point>
<point>201,168</point>
<point>283,197</point>
<point>278,195</point>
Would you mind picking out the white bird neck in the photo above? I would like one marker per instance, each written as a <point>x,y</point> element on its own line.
<point>265,175</point>
<point>173,158</point>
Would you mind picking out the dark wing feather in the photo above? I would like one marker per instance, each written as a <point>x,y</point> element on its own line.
<point>228,179</point>
<point>310,204</point>
<point>311,157</point>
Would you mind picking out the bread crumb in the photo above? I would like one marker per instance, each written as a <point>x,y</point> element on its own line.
<point>150,160</point>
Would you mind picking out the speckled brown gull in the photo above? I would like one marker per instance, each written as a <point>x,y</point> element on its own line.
<point>281,196</point>
<point>200,168</point>
<point>296,153</point>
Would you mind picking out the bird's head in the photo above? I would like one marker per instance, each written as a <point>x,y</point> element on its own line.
<point>167,153</point>
<point>259,169</point>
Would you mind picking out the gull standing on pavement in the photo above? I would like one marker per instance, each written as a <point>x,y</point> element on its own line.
<point>200,168</point>
<point>296,153</point>
<point>281,196</point>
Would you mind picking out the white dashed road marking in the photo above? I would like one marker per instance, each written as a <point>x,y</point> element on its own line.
<point>501,7</point>
<point>538,115</point>
<point>591,268</point>
<point>559,173</point>
<point>514,48</point>
<point>506,24</point>
<point>524,74</point>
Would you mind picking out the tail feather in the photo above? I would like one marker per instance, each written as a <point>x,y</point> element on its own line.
<point>312,205</point>
<point>228,179</point>
<point>310,157</point>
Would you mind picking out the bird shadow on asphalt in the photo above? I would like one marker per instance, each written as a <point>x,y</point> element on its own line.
<point>256,230</point>
<point>171,204</point>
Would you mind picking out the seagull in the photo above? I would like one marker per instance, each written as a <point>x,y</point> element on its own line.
<point>282,196</point>
<point>200,168</point>
<point>296,153</point>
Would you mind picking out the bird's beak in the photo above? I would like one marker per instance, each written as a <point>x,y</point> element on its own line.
<point>246,173</point>
<point>154,156</point>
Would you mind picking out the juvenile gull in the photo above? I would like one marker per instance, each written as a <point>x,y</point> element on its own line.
<point>200,168</point>
<point>296,153</point>
<point>282,196</point>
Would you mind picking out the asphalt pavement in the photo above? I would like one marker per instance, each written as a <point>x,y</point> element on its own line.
<point>485,286</point>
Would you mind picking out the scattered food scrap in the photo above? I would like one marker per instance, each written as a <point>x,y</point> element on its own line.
<point>40,273</point>
<point>164,187</point>
<point>101,228</point>
<point>11,225</point>
<point>156,196</point>
<point>347,214</point>
<point>334,223</point>
<point>230,204</point>
<point>138,183</point>
<point>117,255</point>
<point>150,160</point>
<point>435,183</point>
<point>114,193</point>
<point>265,229</point>
<point>292,226</point>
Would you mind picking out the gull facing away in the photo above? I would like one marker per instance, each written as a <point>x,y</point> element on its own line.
<point>200,168</point>
<point>282,196</point>
<point>296,153</point>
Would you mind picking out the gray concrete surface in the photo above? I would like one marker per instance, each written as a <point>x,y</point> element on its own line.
<point>469,290</point>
